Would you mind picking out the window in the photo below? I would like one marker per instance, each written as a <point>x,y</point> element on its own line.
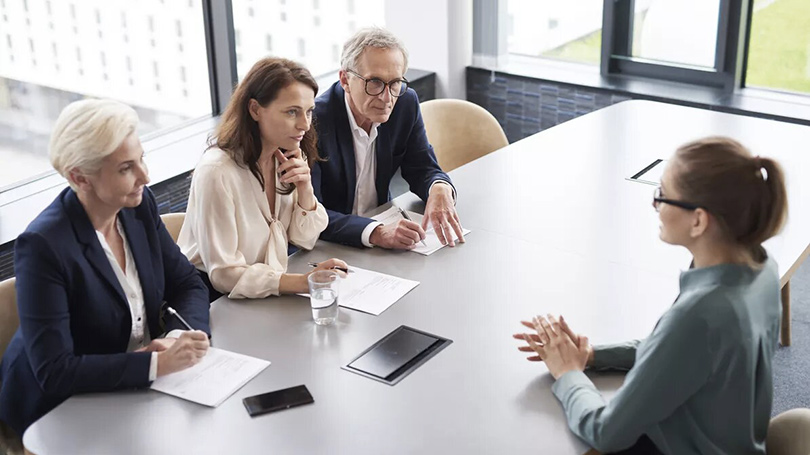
<point>682,32</point>
<point>31,99</point>
<point>696,42</point>
<point>568,30</point>
<point>779,46</point>
<point>293,35</point>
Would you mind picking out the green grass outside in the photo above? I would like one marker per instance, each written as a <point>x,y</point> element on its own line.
<point>778,54</point>
<point>778,51</point>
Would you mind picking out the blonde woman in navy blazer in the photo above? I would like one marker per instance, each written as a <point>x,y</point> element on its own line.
<point>93,270</point>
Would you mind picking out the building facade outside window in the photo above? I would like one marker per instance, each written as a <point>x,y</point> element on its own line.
<point>306,31</point>
<point>150,55</point>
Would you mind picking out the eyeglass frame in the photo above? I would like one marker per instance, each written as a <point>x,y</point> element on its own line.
<point>657,199</point>
<point>385,84</point>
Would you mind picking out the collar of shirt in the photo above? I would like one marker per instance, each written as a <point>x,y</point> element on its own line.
<point>357,131</point>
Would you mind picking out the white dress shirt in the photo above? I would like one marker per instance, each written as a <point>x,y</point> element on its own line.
<point>131,284</point>
<point>230,233</point>
<point>365,164</point>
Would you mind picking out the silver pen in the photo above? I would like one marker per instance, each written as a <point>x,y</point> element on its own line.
<point>407,217</point>
<point>342,269</point>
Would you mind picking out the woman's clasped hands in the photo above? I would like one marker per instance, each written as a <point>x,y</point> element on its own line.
<point>555,344</point>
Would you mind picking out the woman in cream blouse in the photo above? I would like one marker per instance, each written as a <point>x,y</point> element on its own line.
<point>251,193</point>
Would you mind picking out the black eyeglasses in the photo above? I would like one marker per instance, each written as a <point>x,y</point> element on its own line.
<point>375,85</point>
<point>658,199</point>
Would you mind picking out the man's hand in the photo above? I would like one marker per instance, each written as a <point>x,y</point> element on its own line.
<point>402,235</point>
<point>440,211</point>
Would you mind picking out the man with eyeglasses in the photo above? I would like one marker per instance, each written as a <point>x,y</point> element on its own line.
<point>369,125</point>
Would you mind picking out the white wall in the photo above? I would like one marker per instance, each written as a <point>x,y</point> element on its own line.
<point>438,35</point>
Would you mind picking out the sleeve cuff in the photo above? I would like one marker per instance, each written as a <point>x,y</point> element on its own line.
<point>174,333</point>
<point>153,364</point>
<point>570,380</point>
<point>365,237</point>
<point>444,182</point>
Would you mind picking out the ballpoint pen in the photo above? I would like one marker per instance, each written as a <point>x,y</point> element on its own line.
<point>342,269</point>
<point>407,217</point>
<point>174,313</point>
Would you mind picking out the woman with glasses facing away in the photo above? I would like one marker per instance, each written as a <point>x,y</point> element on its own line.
<point>252,193</point>
<point>93,271</point>
<point>701,382</point>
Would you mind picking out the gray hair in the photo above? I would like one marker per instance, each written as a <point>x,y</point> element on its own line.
<point>370,37</point>
<point>88,131</point>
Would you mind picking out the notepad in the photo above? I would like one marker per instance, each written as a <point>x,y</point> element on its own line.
<point>432,242</point>
<point>218,376</point>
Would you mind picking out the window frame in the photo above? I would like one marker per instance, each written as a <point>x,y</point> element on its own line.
<point>731,47</point>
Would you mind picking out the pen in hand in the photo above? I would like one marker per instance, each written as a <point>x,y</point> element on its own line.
<point>342,269</point>
<point>174,313</point>
<point>407,217</point>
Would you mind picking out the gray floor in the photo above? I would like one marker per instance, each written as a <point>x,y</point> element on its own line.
<point>791,364</point>
<point>791,367</point>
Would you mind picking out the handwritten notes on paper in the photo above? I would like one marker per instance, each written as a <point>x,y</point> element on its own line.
<point>432,242</point>
<point>219,375</point>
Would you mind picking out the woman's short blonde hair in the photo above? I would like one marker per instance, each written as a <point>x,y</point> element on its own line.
<point>86,132</point>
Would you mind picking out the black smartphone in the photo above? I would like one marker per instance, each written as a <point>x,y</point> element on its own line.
<point>278,400</point>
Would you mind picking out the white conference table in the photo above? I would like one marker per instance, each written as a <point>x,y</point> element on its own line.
<point>573,237</point>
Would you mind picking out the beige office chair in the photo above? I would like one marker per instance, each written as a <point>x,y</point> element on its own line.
<point>789,433</point>
<point>173,222</point>
<point>9,320</point>
<point>460,131</point>
<point>10,443</point>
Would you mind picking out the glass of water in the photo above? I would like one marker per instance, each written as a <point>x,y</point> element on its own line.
<point>323,296</point>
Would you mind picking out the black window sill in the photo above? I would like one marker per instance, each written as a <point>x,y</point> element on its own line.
<point>786,107</point>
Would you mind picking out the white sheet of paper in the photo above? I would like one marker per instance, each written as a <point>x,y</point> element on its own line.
<point>219,375</point>
<point>372,292</point>
<point>432,242</point>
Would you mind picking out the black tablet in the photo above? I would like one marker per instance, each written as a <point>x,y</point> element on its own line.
<point>396,355</point>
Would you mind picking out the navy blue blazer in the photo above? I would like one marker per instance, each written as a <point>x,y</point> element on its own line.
<point>401,143</point>
<point>75,321</point>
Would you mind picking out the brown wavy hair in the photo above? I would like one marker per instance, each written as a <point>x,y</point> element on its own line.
<point>238,134</point>
<point>745,193</point>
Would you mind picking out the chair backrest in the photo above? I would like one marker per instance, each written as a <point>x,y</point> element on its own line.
<point>173,222</point>
<point>461,131</point>
<point>9,319</point>
<point>789,433</point>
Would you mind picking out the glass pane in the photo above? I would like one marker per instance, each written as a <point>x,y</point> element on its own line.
<point>566,29</point>
<point>779,46</point>
<point>311,32</point>
<point>676,31</point>
<point>150,55</point>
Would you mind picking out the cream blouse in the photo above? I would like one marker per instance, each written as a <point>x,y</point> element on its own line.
<point>230,233</point>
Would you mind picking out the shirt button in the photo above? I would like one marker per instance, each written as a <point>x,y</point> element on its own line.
<point>304,213</point>
<point>132,295</point>
<point>139,319</point>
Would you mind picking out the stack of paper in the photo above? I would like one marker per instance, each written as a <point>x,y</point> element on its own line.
<point>219,375</point>
<point>432,242</point>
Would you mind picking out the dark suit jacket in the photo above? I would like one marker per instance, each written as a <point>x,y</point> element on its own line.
<point>401,143</point>
<point>75,321</point>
